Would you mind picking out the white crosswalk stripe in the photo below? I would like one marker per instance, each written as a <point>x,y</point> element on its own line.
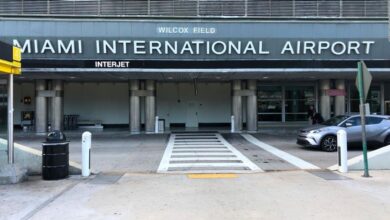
<point>203,153</point>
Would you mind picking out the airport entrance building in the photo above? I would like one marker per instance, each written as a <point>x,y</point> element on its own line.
<point>122,71</point>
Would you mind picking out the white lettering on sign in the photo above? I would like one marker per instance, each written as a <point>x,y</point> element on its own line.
<point>336,48</point>
<point>194,47</point>
<point>203,30</point>
<point>112,64</point>
<point>173,30</point>
<point>186,30</point>
<point>48,46</point>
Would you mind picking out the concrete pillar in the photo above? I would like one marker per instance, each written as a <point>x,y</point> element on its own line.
<point>251,110</point>
<point>237,105</point>
<point>339,105</point>
<point>135,117</point>
<point>324,99</point>
<point>150,106</point>
<point>40,107</point>
<point>57,105</point>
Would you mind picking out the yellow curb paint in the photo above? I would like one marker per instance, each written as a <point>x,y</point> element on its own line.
<point>212,176</point>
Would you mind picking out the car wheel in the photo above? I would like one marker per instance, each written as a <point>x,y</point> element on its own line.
<point>329,143</point>
<point>387,140</point>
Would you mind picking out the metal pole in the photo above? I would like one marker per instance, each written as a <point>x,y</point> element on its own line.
<point>156,125</point>
<point>342,151</point>
<point>11,119</point>
<point>232,124</point>
<point>363,118</point>
<point>86,154</point>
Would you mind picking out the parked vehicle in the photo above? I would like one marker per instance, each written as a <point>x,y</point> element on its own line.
<point>324,135</point>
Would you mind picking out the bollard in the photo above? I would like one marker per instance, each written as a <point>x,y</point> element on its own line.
<point>232,124</point>
<point>85,152</point>
<point>156,125</point>
<point>342,151</point>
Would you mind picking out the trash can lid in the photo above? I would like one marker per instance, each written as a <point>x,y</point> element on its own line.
<point>55,137</point>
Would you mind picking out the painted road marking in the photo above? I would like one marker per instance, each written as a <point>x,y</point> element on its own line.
<point>298,162</point>
<point>209,153</point>
<point>212,176</point>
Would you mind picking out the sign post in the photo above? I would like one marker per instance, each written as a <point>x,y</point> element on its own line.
<point>363,82</point>
<point>10,63</point>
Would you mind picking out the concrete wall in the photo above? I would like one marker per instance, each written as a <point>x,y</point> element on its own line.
<point>108,102</point>
<point>176,100</point>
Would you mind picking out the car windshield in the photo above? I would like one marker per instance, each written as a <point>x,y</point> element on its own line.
<point>335,120</point>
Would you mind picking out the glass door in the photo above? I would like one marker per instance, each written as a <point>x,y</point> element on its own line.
<point>297,101</point>
<point>269,103</point>
<point>284,103</point>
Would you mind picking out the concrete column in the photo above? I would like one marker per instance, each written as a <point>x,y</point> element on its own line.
<point>324,99</point>
<point>57,105</point>
<point>251,109</point>
<point>339,105</point>
<point>135,117</point>
<point>40,107</point>
<point>237,105</point>
<point>150,107</point>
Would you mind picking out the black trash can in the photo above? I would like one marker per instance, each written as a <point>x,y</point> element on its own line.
<point>55,156</point>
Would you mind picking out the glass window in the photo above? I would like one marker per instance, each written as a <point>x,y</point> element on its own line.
<point>298,99</point>
<point>296,102</point>
<point>297,106</point>
<point>355,121</point>
<point>269,92</point>
<point>373,120</point>
<point>269,106</point>
<point>296,117</point>
<point>299,92</point>
<point>373,98</point>
<point>269,117</point>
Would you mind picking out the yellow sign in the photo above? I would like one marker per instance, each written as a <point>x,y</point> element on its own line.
<point>14,67</point>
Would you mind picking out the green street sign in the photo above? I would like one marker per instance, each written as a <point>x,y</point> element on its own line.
<point>366,78</point>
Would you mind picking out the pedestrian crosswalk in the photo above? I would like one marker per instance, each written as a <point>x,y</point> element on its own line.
<point>203,153</point>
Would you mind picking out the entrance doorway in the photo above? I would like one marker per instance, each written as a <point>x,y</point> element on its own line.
<point>183,104</point>
<point>285,103</point>
<point>192,114</point>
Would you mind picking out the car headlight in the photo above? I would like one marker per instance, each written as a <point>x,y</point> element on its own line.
<point>315,131</point>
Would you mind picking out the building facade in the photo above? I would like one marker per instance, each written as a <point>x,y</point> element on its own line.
<point>194,63</point>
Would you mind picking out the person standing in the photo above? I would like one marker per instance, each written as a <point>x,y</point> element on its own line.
<point>310,114</point>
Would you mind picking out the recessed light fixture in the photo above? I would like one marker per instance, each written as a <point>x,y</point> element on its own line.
<point>170,77</point>
<point>265,77</point>
<point>72,77</point>
<point>218,77</point>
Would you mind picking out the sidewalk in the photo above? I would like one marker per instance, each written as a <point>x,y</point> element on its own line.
<point>272,195</point>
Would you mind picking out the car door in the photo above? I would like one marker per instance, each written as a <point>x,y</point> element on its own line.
<point>353,128</point>
<point>374,128</point>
